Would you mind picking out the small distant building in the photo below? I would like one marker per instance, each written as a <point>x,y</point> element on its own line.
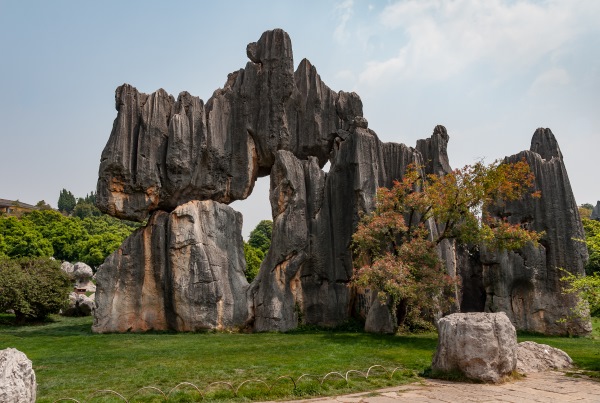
<point>15,208</point>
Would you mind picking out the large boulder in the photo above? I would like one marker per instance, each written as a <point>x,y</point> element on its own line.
<point>83,277</point>
<point>526,284</point>
<point>79,305</point>
<point>534,357</point>
<point>482,346</point>
<point>184,271</point>
<point>17,378</point>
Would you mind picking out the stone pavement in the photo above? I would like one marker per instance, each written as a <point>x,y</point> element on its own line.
<point>538,387</point>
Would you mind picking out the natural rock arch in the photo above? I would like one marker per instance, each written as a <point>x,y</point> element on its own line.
<point>182,161</point>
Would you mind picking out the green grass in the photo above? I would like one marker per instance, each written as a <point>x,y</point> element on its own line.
<point>70,361</point>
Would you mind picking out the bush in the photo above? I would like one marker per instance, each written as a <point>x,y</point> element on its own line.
<point>32,287</point>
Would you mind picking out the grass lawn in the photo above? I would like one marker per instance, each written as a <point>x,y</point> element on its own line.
<point>71,362</point>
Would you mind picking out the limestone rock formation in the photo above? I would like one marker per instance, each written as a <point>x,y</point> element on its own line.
<point>68,268</point>
<point>83,277</point>
<point>79,305</point>
<point>596,212</point>
<point>534,357</point>
<point>526,284</point>
<point>184,271</point>
<point>482,346</point>
<point>162,153</point>
<point>181,160</point>
<point>17,378</point>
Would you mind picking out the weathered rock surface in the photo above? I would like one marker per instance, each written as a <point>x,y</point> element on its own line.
<point>482,346</point>
<point>596,212</point>
<point>162,153</point>
<point>68,268</point>
<point>184,271</point>
<point>83,274</point>
<point>17,378</point>
<point>526,284</point>
<point>534,357</point>
<point>79,305</point>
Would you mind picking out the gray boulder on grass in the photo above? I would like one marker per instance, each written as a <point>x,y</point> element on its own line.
<point>534,357</point>
<point>482,346</point>
<point>17,378</point>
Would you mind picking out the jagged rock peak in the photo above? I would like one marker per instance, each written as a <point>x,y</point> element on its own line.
<point>435,151</point>
<point>596,212</point>
<point>272,46</point>
<point>544,143</point>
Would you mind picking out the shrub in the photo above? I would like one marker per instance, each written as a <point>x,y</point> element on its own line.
<point>32,287</point>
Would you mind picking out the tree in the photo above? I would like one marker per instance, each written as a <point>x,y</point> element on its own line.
<point>32,287</point>
<point>592,241</point>
<point>587,288</point>
<point>260,237</point>
<point>66,201</point>
<point>254,258</point>
<point>395,246</point>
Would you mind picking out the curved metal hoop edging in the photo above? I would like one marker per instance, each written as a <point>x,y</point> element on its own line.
<point>66,399</point>
<point>354,371</point>
<point>284,377</point>
<point>376,366</point>
<point>333,373</point>
<point>220,383</point>
<point>395,369</point>
<point>307,376</point>
<point>98,392</point>
<point>154,388</point>
<point>186,384</point>
<point>251,381</point>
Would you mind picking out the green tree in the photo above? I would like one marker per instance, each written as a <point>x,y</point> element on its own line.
<point>66,201</point>
<point>260,237</point>
<point>254,258</point>
<point>32,287</point>
<point>21,239</point>
<point>592,241</point>
<point>396,253</point>
<point>587,288</point>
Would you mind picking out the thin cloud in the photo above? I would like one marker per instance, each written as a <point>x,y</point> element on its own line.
<point>345,10</point>
<point>440,39</point>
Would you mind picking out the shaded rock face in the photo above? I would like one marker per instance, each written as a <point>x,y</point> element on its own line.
<point>526,284</point>
<point>482,346</point>
<point>183,271</point>
<point>80,305</point>
<point>164,152</point>
<point>533,357</point>
<point>17,378</point>
<point>596,212</point>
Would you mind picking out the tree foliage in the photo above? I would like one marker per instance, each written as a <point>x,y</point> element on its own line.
<point>260,237</point>
<point>32,287</point>
<point>587,288</point>
<point>257,247</point>
<point>395,246</point>
<point>66,201</point>
<point>592,241</point>
<point>49,233</point>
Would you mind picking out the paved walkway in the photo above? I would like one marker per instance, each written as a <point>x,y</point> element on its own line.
<point>540,387</point>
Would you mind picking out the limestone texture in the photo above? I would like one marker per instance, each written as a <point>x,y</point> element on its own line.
<point>80,305</point>
<point>596,212</point>
<point>526,284</point>
<point>534,357</point>
<point>17,378</point>
<point>164,152</point>
<point>482,346</point>
<point>180,161</point>
<point>183,271</point>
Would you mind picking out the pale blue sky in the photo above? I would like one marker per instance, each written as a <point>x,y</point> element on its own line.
<point>491,71</point>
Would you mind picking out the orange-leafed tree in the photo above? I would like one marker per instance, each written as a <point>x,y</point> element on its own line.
<point>395,246</point>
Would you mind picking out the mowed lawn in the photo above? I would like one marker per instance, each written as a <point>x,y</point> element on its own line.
<point>72,362</point>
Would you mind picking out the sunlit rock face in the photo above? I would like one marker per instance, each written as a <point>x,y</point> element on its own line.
<point>184,271</point>
<point>179,162</point>
<point>526,284</point>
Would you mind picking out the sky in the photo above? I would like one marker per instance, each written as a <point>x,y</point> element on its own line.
<point>490,71</point>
